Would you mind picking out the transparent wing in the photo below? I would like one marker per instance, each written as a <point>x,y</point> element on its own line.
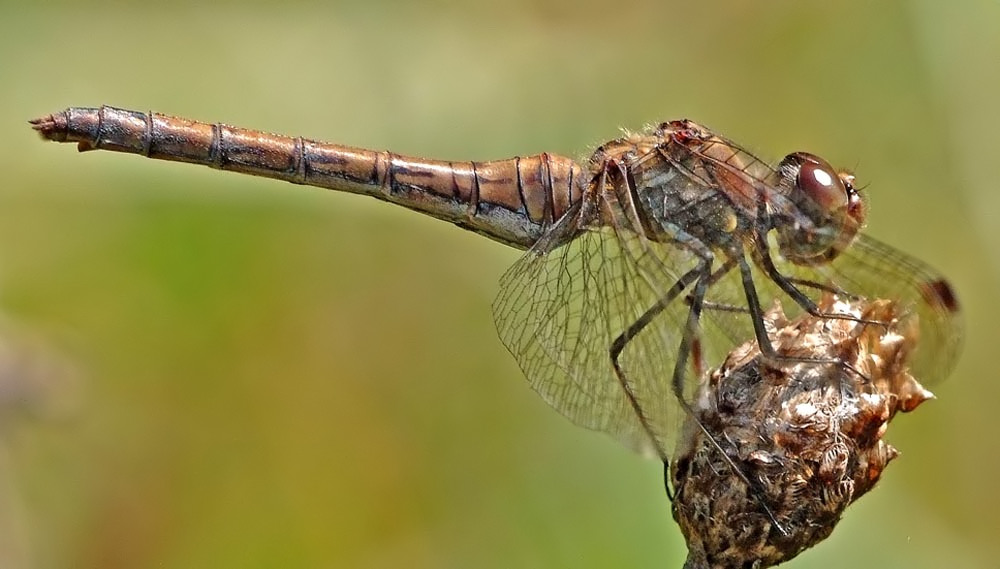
<point>867,269</point>
<point>871,269</point>
<point>563,304</point>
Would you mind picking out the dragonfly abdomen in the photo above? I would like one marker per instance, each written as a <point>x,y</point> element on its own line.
<point>510,200</point>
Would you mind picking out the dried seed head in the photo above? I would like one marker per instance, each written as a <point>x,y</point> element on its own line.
<point>807,436</point>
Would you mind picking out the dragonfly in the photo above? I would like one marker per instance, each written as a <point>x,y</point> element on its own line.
<point>643,267</point>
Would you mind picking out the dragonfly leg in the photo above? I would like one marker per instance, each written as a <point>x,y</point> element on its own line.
<point>760,332</point>
<point>822,287</point>
<point>620,342</point>
<point>719,306</point>
<point>788,286</point>
<point>688,341</point>
<point>623,203</point>
<point>709,305</point>
<point>690,334</point>
<point>701,276</point>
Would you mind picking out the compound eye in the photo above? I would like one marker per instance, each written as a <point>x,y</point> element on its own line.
<point>821,183</point>
<point>827,210</point>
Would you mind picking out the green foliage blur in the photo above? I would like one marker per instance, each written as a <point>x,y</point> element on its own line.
<point>275,376</point>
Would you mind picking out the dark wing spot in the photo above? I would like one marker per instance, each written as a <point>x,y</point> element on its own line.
<point>940,293</point>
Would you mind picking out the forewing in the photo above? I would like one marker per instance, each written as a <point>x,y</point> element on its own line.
<point>562,306</point>
<point>874,270</point>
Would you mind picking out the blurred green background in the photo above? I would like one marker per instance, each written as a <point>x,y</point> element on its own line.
<point>268,375</point>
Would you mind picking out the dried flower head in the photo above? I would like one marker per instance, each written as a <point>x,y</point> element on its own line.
<point>776,450</point>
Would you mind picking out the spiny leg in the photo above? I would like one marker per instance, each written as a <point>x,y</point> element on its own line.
<point>702,275</point>
<point>822,287</point>
<point>687,340</point>
<point>621,341</point>
<point>719,306</point>
<point>622,200</point>
<point>788,285</point>
<point>617,189</point>
<point>618,345</point>
<point>622,203</point>
<point>760,331</point>
<point>696,354</point>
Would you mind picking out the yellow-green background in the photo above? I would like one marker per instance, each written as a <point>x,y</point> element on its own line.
<point>269,375</point>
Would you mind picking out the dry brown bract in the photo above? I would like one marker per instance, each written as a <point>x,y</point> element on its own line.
<point>807,436</point>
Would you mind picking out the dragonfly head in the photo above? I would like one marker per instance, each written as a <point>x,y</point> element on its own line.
<point>828,210</point>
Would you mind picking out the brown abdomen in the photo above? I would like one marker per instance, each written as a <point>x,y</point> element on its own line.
<point>510,200</point>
